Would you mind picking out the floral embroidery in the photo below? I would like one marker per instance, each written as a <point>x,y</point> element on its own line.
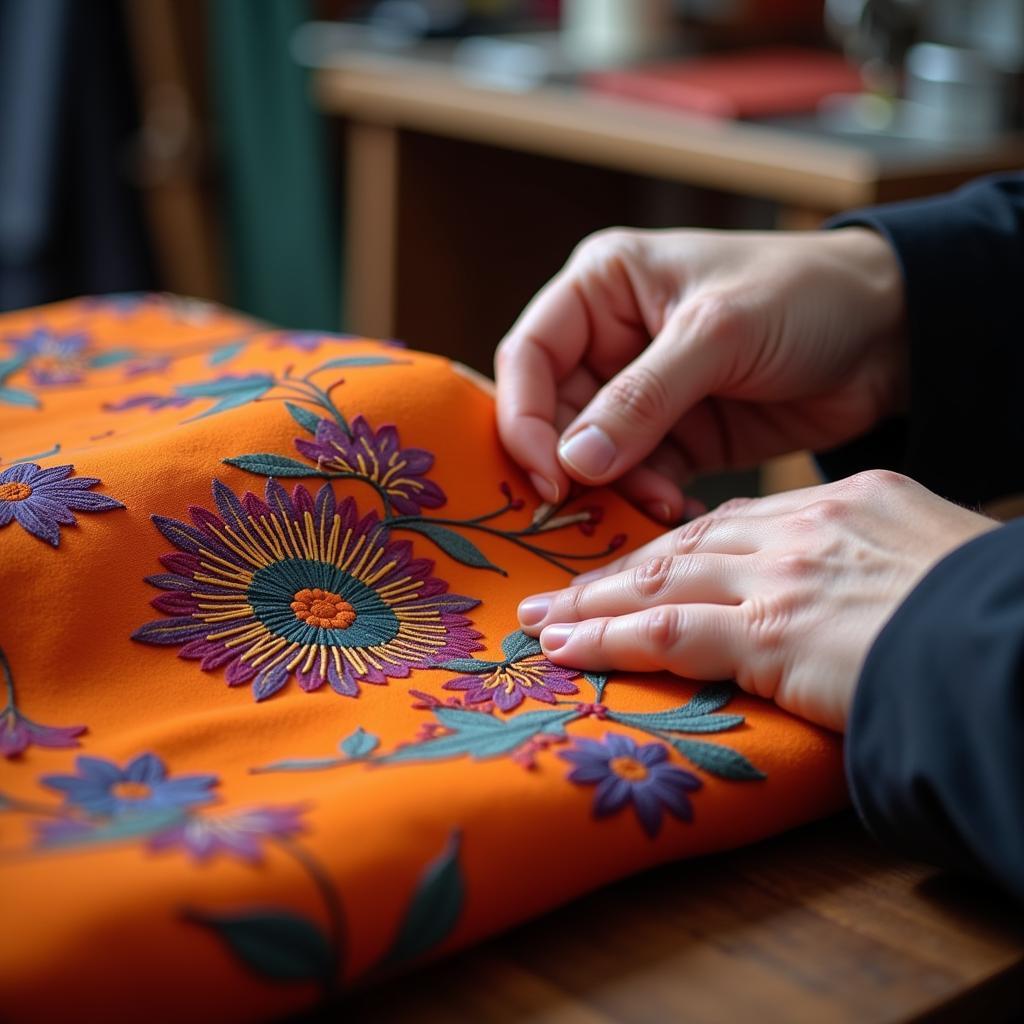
<point>240,833</point>
<point>524,672</point>
<point>376,458</point>
<point>18,733</point>
<point>41,500</point>
<point>302,586</point>
<point>627,773</point>
<point>53,359</point>
<point>100,787</point>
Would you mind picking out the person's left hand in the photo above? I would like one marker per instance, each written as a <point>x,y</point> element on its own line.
<point>785,594</point>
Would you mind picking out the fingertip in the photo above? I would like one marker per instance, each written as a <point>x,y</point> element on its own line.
<point>555,637</point>
<point>587,454</point>
<point>547,489</point>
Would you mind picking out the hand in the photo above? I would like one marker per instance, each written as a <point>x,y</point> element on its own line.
<point>762,344</point>
<point>785,594</point>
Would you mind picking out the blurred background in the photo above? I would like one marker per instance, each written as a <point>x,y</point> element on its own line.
<point>418,168</point>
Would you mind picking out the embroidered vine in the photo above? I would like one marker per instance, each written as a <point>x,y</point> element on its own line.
<point>18,733</point>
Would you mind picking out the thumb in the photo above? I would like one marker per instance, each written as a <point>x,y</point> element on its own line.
<point>631,415</point>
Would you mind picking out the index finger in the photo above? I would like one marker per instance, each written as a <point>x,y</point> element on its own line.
<point>543,346</point>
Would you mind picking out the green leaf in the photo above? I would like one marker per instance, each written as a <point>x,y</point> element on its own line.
<point>518,645</point>
<point>225,353</point>
<point>598,680</point>
<point>9,366</point>
<point>347,361</point>
<point>129,826</point>
<point>298,764</point>
<point>724,762</point>
<point>359,744</point>
<point>710,698</point>
<point>276,944</point>
<point>435,907</point>
<point>452,544</point>
<point>269,464</point>
<point>112,357</point>
<point>482,736</point>
<point>474,666</point>
<point>15,396</point>
<point>231,392</point>
<point>305,418</point>
<point>677,720</point>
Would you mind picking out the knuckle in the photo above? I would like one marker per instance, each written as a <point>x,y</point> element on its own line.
<point>689,538</point>
<point>718,314</point>
<point>872,480</point>
<point>795,566</point>
<point>732,505</point>
<point>659,629</point>
<point>766,624</point>
<point>604,244</point>
<point>638,395</point>
<point>819,514</point>
<point>651,578</point>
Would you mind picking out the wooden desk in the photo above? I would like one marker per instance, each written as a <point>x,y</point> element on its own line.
<point>389,183</point>
<point>817,926</point>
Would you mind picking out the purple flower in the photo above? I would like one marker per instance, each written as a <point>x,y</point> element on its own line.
<point>307,341</point>
<point>626,773</point>
<point>101,788</point>
<point>397,471</point>
<point>53,358</point>
<point>42,499</point>
<point>297,586</point>
<point>18,733</point>
<point>153,402</point>
<point>509,683</point>
<point>238,833</point>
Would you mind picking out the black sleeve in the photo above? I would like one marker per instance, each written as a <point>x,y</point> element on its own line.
<point>962,257</point>
<point>935,742</point>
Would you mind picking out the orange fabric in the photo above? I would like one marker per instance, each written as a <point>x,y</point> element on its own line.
<point>424,856</point>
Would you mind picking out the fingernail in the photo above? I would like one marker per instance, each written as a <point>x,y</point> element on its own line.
<point>547,489</point>
<point>590,452</point>
<point>533,610</point>
<point>659,510</point>
<point>555,637</point>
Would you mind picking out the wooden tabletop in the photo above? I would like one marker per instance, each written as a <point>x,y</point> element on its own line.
<point>820,925</point>
<point>794,165</point>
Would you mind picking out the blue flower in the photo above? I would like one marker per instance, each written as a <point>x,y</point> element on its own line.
<point>42,500</point>
<point>626,773</point>
<point>101,788</point>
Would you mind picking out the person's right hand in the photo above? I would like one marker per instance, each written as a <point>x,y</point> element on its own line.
<point>763,343</point>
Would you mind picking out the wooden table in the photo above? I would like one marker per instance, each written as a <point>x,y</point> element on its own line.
<point>817,926</point>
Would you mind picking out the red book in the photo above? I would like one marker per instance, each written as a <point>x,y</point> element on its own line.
<point>752,83</point>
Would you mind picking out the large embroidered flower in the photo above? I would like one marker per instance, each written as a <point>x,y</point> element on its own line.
<point>238,833</point>
<point>626,773</point>
<point>41,500</point>
<point>508,684</point>
<point>101,788</point>
<point>397,471</point>
<point>54,359</point>
<point>301,586</point>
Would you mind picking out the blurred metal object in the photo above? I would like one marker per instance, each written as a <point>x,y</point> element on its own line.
<point>612,33</point>
<point>875,34</point>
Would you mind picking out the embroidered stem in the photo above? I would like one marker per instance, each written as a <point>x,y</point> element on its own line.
<point>11,704</point>
<point>315,394</point>
<point>332,904</point>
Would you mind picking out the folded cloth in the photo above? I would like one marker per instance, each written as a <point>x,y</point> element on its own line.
<point>271,729</point>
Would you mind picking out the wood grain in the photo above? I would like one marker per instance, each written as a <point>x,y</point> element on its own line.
<point>820,925</point>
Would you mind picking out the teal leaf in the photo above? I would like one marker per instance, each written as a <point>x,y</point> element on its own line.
<point>452,544</point>
<point>36,456</point>
<point>710,698</point>
<point>15,396</point>
<point>305,418</point>
<point>347,361</point>
<point>724,762</point>
<point>269,464</point>
<point>435,906</point>
<point>359,744</point>
<point>474,666</point>
<point>225,353</point>
<point>482,736</point>
<point>129,826</point>
<point>112,357</point>
<point>598,680</point>
<point>9,366</point>
<point>677,720</point>
<point>231,392</point>
<point>518,645</point>
<point>298,764</point>
<point>277,944</point>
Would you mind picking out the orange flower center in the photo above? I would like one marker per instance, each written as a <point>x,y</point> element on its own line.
<point>628,768</point>
<point>322,608</point>
<point>15,491</point>
<point>130,790</point>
